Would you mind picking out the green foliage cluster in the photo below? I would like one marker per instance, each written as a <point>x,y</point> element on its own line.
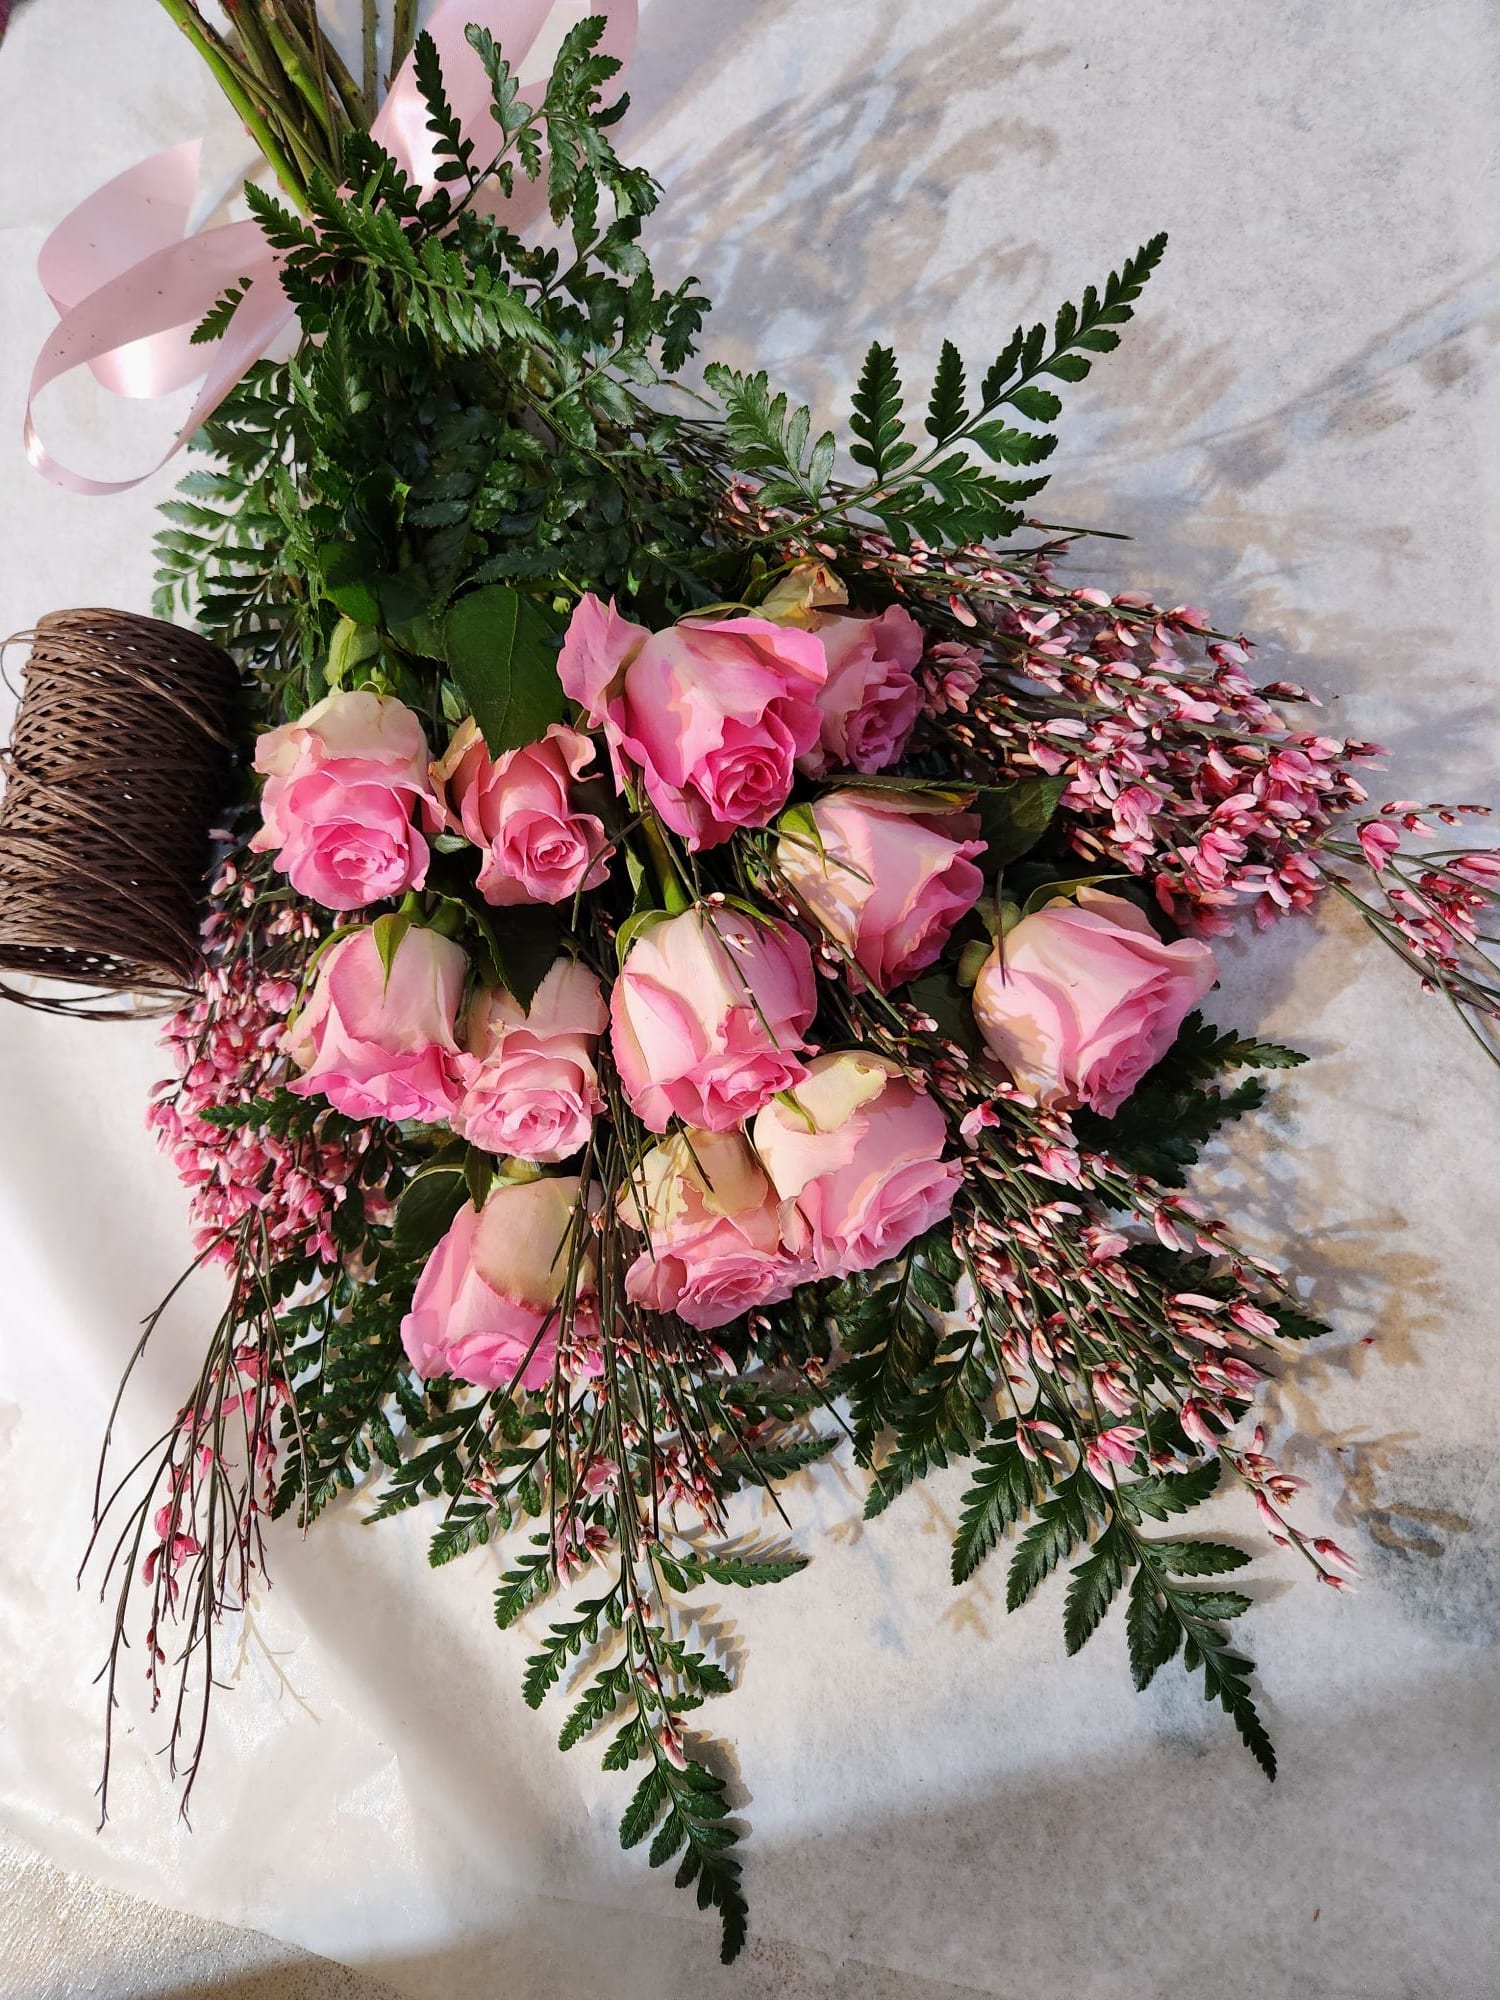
<point>466,409</point>
<point>473,419</point>
<point>1163,1126</point>
<point>927,1387</point>
<point>475,430</point>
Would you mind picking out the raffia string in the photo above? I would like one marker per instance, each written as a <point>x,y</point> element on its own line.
<point>120,757</point>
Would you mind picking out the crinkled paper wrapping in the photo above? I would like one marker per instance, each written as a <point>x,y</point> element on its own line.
<point>1303,432</point>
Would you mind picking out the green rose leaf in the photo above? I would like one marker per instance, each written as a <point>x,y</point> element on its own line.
<point>1060,891</point>
<point>1013,818</point>
<point>501,651</point>
<point>350,573</point>
<point>479,1172</point>
<point>428,1205</point>
<point>525,941</point>
<point>349,648</point>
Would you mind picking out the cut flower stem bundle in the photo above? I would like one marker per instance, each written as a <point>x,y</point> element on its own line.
<point>708,970</point>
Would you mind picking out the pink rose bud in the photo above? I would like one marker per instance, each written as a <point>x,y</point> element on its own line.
<point>885,882</point>
<point>530,1086</point>
<point>1082,998</point>
<point>341,783</point>
<point>486,1307</point>
<point>716,1234</point>
<point>870,702</point>
<point>860,1152</point>
<point>712,714</point>
<point>518,808</point>
<point>1325,1547</point>
<point>378,1047</point>
<point>708,1017</point>
<point>1251,1318</point>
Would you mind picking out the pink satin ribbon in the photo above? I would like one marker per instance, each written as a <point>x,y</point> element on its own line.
<point>130,285</point>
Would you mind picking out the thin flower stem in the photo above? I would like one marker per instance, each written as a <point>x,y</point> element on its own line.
<point>332,65</point>
<point>298,144</point>
<point>301,72</point>
<point>1450,985</point>
<point>673,892</point>
<point>370,42</point>
<point>403,34</point>
<point>1298,1540</point>
<point>221,65</point>
<point>255,50</point>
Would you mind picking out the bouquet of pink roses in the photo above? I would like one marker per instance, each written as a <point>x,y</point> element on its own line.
<point>708,969</point>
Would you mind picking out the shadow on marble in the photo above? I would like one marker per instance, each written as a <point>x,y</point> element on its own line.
<point>1042,1889</point>
<point>797,219</point>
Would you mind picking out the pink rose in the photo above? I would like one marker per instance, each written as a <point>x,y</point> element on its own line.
<point>1082,998</point>
<point>530,1086</point>
<point>870,702</point>
<point>716,1234</point>
<point>486,1307</point>
<point>884,881</point>
<point>378,1047</point>
<point>708,1016</point>
<point>713,713</point>
<point>341,783</point>
<point>518,809</point>
<point>863,1161</point>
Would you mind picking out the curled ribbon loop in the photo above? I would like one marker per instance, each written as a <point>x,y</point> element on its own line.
<point>130,284</point>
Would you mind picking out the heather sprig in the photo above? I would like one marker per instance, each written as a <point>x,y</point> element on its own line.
<point>1436,907</point>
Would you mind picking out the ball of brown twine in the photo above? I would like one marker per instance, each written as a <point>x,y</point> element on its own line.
<point>119,760</point>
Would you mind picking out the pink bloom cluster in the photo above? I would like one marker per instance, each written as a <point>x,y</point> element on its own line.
<point>709,1016</point>
<point>950,676</point>
<point>1089,1332</point>
<point>835,1176</point>
<point>1439,908</point>
<point>784,1163</point>
<point>713,717</point>
<point>1273,1490</point>
<point>343,781</point>
<point>1178,767</point>
<point>227,1050</point>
